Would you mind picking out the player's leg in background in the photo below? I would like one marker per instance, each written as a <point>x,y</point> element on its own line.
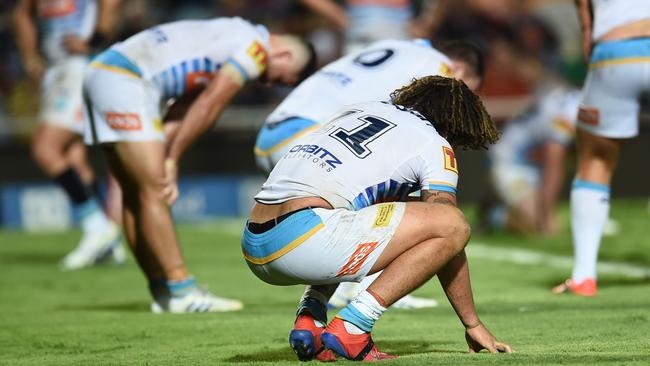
<point>608,114</point>
<point>149,228</point>
<point>590,193</point>
<point>59,152</point>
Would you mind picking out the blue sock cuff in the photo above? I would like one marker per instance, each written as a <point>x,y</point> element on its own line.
<point>351,315</point>
<point>583,184</point>
<point>87,208</point>
<point>182,287</point>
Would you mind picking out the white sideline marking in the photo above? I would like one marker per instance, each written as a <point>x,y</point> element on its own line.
<point>527,257</point>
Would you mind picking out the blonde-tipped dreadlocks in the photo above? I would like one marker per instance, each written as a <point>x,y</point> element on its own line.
<point>455,111</point>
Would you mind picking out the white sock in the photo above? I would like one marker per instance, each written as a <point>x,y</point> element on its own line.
<point>589,212</point>
<point>361,313</point>
<point>93,218</point>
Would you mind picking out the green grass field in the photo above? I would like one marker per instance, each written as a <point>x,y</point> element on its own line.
<point>100,315</point>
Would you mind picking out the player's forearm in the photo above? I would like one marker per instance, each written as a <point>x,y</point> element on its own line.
<point>108,16</point>
<point>330,10</point>
<point>199,118</point>
<point>455,281</point>
<point>585,18</point>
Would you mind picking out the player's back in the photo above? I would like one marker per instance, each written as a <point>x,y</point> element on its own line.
<point>367,75</point>
<point>181,55</point>
<point>367,153</point>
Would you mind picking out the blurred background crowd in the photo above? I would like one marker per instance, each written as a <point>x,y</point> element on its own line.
<point>517,36</point>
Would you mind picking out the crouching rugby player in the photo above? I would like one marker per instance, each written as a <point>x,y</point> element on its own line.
<point>333,210</point>
<point>386,65</point>
<point>125,89</point>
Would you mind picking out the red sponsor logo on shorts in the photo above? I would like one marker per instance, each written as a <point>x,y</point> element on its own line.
<point>357,259</point>
<point>589,116</point>
<point>124,121</point>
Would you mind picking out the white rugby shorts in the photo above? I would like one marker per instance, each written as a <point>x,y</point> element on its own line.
<point>619,72</point>
<point>61,103</point>
<point>322,246</point>
<point>120,105</point>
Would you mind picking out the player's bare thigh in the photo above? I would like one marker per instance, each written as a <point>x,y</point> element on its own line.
<point>141,162</point>
<point>421,222</point>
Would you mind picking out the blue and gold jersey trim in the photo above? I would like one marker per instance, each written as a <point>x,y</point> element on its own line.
<point>114,61</point>
<point>620,52</point>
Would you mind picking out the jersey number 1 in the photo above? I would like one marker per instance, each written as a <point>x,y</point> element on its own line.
<point>357,139</point>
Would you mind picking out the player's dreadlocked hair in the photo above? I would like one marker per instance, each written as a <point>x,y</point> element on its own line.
<point>455,111</point>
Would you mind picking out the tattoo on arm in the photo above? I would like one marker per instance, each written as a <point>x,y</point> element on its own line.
<point>440,197</point>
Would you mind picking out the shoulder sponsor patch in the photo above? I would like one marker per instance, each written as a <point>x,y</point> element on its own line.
<point>450,159</point>
<point>259,55</point>
<point>357,259</point>
<point>589,115</point>
<point>124,121</point>
<point>445,71</point>
<point>384,214</point>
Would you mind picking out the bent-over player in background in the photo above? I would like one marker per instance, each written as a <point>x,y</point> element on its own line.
<point>126,87</point>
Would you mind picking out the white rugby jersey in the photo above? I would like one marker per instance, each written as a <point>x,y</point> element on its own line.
<point>367,153</point>
<point>59,18</point>
<point>552,118</point>
<point>180,56</point>
<point>368,75</point>
<point>609,14</point>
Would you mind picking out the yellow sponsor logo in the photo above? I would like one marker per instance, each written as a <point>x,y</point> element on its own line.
<point>384,214</point>
<point>259,55</point>
<point>157,125</point>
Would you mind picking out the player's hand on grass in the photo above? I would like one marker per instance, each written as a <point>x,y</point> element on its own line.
<point>170,190</point>
<point>479,338</point>
<point>75,45</point>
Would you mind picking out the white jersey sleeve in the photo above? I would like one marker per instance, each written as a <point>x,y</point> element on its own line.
<point>368,153</point>
<point>368,75</point>
<point>250,59</point>
<point>437,167</point>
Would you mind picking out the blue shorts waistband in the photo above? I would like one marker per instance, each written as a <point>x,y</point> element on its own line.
<point>282,238</point>
<point>624,49</point>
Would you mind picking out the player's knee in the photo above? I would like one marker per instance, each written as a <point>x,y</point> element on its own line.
<point>44,154</point>
<point>458,229</point>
